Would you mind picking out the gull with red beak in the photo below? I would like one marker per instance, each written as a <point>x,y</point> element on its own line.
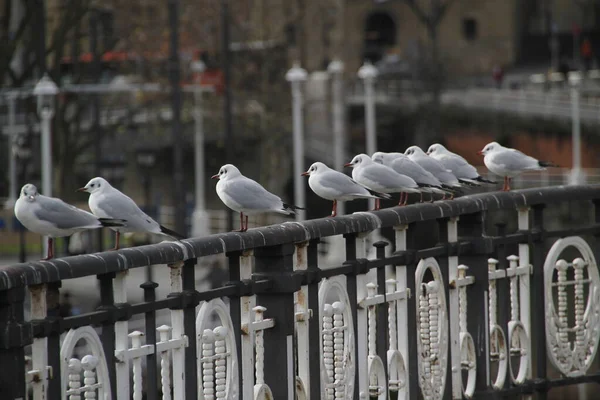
<point>333,185</point>
<point>508,163</point>
<point>247,196</point>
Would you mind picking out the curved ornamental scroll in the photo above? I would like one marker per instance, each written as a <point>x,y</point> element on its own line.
<point>432,328</point>
<point>217,355</point>
<point>572,356</point>
<point>337,340</point>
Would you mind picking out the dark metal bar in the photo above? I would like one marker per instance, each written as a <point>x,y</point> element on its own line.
<point>313,326</point>
<point>443,263</point>
<point>188,278</point>
<point>227,104</point>
<point>276,262</point>
<point>351,288</point>
<point>152,378</point>
<point>96,72</point>
<point>107,337</point>
<point>382,309</point>
<point>235,309</point>
<point>14,336</point>
<point>178,197</point>
<point>53,307</point>
<point>412,366</point>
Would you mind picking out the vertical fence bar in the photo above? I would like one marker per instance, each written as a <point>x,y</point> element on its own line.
<point>524,281</point>
<point>453,303</point>
<point>314,351</point>
<point>177,333</point>
<point>53,304</point>
<point>121,337</point>
<point>188,278</point>
<point>350,240</point>
<point>402,306</point>
<point>302,319</point>
<point>276,263</point>
<point>152,379</point>
<point>538,323</point>
<point>247,303</point>
<point>107,302</point>
<point>412,363</point>
<point>233,260</point>
<point>382,309</point>
<point>362,360</point>
<point>14,336</point>
<point>39,348</point>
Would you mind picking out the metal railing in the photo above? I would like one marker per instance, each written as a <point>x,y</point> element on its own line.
<point>473,298</point>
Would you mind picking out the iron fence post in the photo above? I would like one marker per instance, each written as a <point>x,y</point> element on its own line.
<point>107,303</point>
<point>188,278</point>
<point>315,319</point>
<point>152,378</point>
<point>15,335</point>
<point>538,321</point>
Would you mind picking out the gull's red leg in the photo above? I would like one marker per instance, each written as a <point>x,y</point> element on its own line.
<point>117,239</point>
<point>50,253</point>
<point>508,184</point>
<point>401,198</point>
<point>405,199</point>
<point>241,224</point>
<point>334,209</point>
<point>246,226</point>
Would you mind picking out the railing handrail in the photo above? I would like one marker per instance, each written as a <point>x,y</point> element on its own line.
<point>38,272</point>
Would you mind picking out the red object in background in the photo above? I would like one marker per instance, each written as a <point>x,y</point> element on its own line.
<point>212,77</point>
<point>576,30</point>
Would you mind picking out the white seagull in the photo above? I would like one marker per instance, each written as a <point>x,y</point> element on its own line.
<point>52,217</point>
<point>382,179</point>
<point>247,196</point>
<point>107,202</point>
<point>404,165</point>
<point>464,171</point>
<point>337,186</point>
<point>432,165</point>
<point>507,162</point>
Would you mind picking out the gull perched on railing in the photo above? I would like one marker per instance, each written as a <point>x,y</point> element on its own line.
<point>465,172</point>
<point>53,217</point>
<point>509,163</point>
<point>337,186</point>
<point>382,179</point>
<point>108,202</point>
<point>436,168</point>
<point>247,196</point>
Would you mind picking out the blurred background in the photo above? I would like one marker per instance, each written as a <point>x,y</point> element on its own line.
<point>156,95</point>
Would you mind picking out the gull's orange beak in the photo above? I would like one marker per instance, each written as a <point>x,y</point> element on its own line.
<point>348,165</point>
<point>480,152</point>
<point>304,174</point>
<point>81,189</point>
<point>215,176</point>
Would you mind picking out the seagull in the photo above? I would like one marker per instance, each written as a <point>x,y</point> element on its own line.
<point>247,196</point>
<point>465,172</point>
<point>107,202</point>
<point>337,186</point>
<point>380,178</point>
<point>436,168</point>
<point>53,217</point>
<point>400,163</point>
<point>507,162</point>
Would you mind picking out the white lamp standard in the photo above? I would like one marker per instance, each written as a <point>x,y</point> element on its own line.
<point>296,75</point>
<point>200,216</point>
<point>336,70</point>
<point>45,91</point>
<point>368,73</point>
<point>577,176</point>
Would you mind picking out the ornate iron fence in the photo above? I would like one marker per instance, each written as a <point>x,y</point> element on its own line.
<point>459,308</point>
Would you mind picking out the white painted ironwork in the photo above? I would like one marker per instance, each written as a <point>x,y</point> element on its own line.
<point>572,349</point>
<point>453,303</point>
<point>164,332</point>
<point>218,364</point>
<point>518,338</point>
<point>337,346</point>
<point>40,372</point>
<point>396,360</point>
<point>136,343</point>
<point>121,338</point>
<point>377,377</point>
<point>362,357</point>
<point>96,361</point>
<point>468,360</point>
<point>497,339</point>
<point>524,284</point>
<point>74,378</point>
<point>303,314</point>
<point>432,325</point>
<point>177,353</point>
<point>396,368</point>
<point>90,386</point>
<point>247,303</point>
<point>261,389</point>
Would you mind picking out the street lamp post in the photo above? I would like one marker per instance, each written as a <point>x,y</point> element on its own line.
<point>296,75</point>
<point>576,177</point>
<point>200,216</point>
<point>45,91</point>
<point>368,73</point>
<point>336,70</point>
<point>12,168</point>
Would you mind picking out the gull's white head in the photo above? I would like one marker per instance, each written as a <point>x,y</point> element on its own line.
<point>379,157</point>
<point>315,168</point>
<point>436,148</point>
<point>96,184</point>
<point>227,171</point>
<point>490,148</point>
<point>358,160</point>
<point>412,150</point>
<point>28,192</point>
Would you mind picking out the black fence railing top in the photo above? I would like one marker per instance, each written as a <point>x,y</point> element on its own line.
<point>38,272</point>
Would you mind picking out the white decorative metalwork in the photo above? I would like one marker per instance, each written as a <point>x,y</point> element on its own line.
<point>68,366</point>
<point>337,367</point>
<point>377,378</point>
<point>177,353</point>
<point>136,343</point>
<point>468,360</point>
<point>74,378</point>
<point>432,325</point>
<point>572,356</point>
<point>217,366</point>
<point>303,314</point>
<point>396,360</point>
<point>497,344</point>
<point>518,339</point>
<point>165,365</point>
<point>89,364</point>
<point>247,303</point>
<point>261,389</point>
<point>40,371</point>
<point>396,367</point>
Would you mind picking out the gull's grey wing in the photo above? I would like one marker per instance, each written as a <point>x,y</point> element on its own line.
<point>250,195</point>
<point>515,160</point>
<point>459,166</point>
<point>120,206</point>
<point>341,183</point>
<point>63,215</point>
<point>410,168</point>
<point>387,177</point>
